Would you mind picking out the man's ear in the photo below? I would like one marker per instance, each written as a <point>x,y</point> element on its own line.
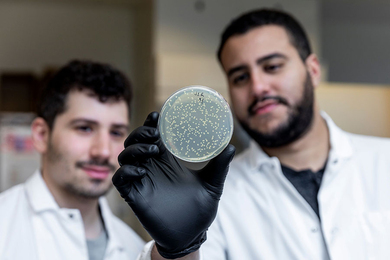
<point>40,134</point>
<point>314,69</point>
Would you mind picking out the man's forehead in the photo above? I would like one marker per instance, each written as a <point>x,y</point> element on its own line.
<point>84,104</point>
<point>255,43</point>
<point>263,35</point>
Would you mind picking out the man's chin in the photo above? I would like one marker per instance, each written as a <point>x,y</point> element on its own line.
<point>93,191</point>
<point>265,129</point>
<point>265,136</point>
<point>94,194</point>
<point>101,189</point>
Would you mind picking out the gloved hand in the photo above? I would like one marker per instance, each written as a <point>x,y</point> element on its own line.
<point>174,204</point>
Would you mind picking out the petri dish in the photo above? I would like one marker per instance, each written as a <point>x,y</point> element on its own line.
<point>196,124</point>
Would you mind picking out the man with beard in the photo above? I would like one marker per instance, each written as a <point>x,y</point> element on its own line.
<point>60,212</point>
<point>304,189</point>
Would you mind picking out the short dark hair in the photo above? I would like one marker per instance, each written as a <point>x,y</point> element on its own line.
<point>102,79</point>
<point>261,17</point>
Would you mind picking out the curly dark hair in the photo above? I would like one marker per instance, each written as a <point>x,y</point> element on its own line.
<point>104,80</point>
<point>261,17</point>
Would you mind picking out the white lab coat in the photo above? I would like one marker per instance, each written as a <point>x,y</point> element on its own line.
<point>262,216</point>
<point>33,227</point>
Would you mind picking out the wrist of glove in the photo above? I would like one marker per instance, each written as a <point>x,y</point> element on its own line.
<point>198,241</point>
<point>174,204</point>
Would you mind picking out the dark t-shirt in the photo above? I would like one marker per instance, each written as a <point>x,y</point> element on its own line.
<point>307,184</point>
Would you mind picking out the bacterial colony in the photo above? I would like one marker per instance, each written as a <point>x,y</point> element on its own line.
<point>196,124</point>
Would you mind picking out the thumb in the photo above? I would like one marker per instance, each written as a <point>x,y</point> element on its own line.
<point>214,174</point>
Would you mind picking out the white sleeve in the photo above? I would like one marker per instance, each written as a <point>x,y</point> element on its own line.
<point>146,252</point>
<point>215,246</point>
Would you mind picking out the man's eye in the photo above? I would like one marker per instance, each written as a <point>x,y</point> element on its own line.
<point>273,68</point>
<point>117,133</point>
<point>84,129</point>
<point>240,79</point>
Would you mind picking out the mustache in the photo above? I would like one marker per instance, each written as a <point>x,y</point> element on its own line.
<point>95,162</point>
<point>278,99</point>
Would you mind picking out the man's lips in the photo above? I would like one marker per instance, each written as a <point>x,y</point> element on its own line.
<point>266,104</point>
<point>97,172</point>
<point>264,107</point>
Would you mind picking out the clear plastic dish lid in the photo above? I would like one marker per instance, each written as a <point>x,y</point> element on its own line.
<point>196,124</point>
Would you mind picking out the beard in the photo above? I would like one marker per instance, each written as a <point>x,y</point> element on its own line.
<point>85,193</point>
<point>299,121</point>
<point>76,185</point>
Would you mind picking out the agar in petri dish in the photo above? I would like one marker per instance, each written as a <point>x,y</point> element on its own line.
<point>196,124</point>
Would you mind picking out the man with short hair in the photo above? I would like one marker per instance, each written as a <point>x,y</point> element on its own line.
<point>60,212</point>
<point>304,189</point>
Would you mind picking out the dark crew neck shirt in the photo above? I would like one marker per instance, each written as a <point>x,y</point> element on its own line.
<point>307,183</point>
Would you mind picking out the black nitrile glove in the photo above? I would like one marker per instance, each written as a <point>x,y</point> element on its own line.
<point>174,204</point>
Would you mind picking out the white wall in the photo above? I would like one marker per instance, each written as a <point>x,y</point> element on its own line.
<point>36,35</point>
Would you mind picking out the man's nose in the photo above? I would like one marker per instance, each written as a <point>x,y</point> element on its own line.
<point>101,146</point>
<point>259,84</point>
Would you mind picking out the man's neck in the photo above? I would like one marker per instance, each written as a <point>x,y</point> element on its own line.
<point>93,223</point>
<point>308,152</point>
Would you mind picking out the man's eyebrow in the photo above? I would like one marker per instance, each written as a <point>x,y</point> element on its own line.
<point>83,120</point>
<point>235,69</point>
<point>93,122</point>
<point>258,61</point>
<point>270,56</point>
<point>124,126</point>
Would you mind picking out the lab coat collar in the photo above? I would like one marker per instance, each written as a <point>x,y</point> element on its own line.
<point>341,147</point>
<point>340,143</point>
<point>114,242</point>
<point>42,200</point>
<point>39,194</point>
